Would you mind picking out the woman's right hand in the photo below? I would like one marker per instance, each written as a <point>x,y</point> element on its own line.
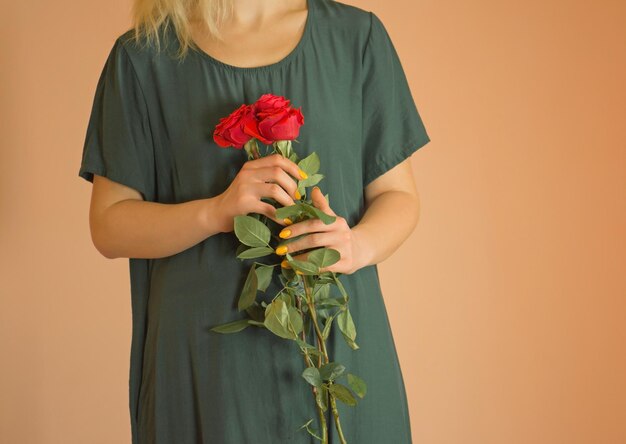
<point>269,176</point>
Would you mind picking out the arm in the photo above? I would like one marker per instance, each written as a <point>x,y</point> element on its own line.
<point>392,213</point>
<point>122,224</point>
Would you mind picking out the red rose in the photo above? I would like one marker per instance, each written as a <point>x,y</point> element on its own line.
<point>231,130</point>
<point>269,102</point>
<point>276,120</point>
<point>269,119</point>
<point>251,127</point>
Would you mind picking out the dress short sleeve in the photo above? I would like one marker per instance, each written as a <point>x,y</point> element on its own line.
<point>118,143</point>
<point>392,126</point>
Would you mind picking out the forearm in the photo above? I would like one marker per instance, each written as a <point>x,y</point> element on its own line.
<point>140,229</point>
<point>387,222</point>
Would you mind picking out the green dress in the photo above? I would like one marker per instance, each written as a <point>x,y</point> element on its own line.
<point>151,128</point>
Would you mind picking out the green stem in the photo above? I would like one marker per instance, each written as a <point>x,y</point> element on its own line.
<point>320,338</point>
<point>309,363</point>
<point>322,346</point>
<point>333,404</point>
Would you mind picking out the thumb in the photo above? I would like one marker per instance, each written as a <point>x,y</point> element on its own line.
<point>319,201</point>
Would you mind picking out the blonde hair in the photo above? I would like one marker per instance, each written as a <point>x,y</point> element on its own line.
<point>150,17</point>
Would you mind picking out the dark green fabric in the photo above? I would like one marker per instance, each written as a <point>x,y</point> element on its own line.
<point>151,129</point>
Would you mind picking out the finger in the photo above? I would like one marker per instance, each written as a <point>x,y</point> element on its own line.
<point>303,257</point>
<point>332,267</point>
<point>314,240</point>
<point>278,160</point>
<point>277,175</point>
<point>319,201</point>
<point>276,192</point>
<point>268,210</point>
<point>304,227</point>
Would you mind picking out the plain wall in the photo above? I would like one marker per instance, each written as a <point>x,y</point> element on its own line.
<point>507,301</point>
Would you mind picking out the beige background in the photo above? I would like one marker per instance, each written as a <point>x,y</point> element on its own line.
<point>507,302</point>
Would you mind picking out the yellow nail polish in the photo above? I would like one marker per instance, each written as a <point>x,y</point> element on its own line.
<point>297,194</point>
<point>282,249</point>
<point>303,174</point>
<point>285,264</point>
<point>287,221</point>
<point>299,272</point>
<point>285,233</point>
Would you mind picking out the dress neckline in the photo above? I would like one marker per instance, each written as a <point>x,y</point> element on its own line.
<point>304,39</point>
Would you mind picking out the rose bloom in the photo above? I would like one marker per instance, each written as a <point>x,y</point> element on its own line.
<point>277,120</point>
<point>269,119</point>
<point>231,130</point>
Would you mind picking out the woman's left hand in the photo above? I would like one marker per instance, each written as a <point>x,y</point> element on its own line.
<point>337,235</point>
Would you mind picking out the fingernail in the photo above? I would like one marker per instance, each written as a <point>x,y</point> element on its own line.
<point>285,264</point>
<point>285,233</point>
<point>297,194</point>
<point>282,249</point>
<point>302,174</point>
<point>287,221</point>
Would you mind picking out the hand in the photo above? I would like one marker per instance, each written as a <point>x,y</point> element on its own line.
<point>338,236</point>
<point>263,177</point>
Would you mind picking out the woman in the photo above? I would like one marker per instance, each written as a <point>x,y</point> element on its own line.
<point>164,195</point>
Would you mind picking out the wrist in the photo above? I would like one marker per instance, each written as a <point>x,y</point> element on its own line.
<point>212,218</point>
<point>362,251</point>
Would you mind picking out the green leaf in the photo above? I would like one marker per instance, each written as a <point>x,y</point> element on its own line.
<point>348,330</point>
<point>331,371</point>
<point>316,212</point>
<point>312,350</point>
<point>326,277</point>
<point>285,296</point>
<point>302,190</point>
<point>312,376</point>
<point>321,292</point>
<point>323,313</point>
<point>288,211</point>
<point>324,257</point>
<point>257,323</point>
<point>264,276</point>
<point>256,312</point>
<point>340,286</point>
<point>342,393</point>
<point>288,274</point>
<point>276,319</point>
<point>248,293</point>
<point>330,302</point>
<point>255,252</point>
<point>240,249</point>
<point>357,385</point>
<point>346,324</point>
<point>313,179</point>
<point>295,320</point>
<point>251,231</point>
<point>327,326</point>
<point>231,327</point>
<point>284,147</point>
<point>310,164</point>
<point>305,267</point>
<point>353,345</point>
